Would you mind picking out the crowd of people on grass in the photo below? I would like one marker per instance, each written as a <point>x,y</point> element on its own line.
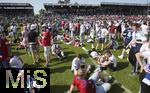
<point>102,32</point>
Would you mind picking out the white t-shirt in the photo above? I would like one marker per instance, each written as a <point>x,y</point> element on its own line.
<point>97,27</point>
<point>15,62</point>
<point>76,63</point>
<point>92,33</point>
<point>82,29</point>
<point>1,28</point>
<point>138,36</point>
<point>13,28</point>
<point>104,32</point>
<point>146,51</point>
<point>113,60</point>
<point>94,54</point>
<point>144,29</point>
<point>123,27</point>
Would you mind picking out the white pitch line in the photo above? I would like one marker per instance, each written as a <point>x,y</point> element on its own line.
<point>122,86</point>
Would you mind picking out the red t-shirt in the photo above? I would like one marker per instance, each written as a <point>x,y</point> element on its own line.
<point>83,85</point>
<point>4,49</point>
<point>62,24</point>
<point>112,29</point>
<point>78,25</point>
<point>46,38</point>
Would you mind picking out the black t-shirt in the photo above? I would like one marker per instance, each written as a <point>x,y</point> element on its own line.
<point>32,35</point>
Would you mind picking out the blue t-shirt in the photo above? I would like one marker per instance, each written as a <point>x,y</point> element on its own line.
<point>127,34</point>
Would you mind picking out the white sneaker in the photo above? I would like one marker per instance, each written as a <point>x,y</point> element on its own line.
<point>121,57</point>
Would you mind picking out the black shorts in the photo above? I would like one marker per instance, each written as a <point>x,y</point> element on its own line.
<point>136,49</point>
<point>33,48</point>
<point>111,66</point>
<point>127,41</point>
<point>101,40</point>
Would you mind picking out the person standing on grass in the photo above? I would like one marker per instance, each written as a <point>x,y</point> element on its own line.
<point>144,28</point>
<point>46,42</point>
<point>148,37</point>
<point>112,31</point>
<point>13,28</point>
<point>4,53</point>
<point>101,37</point>
<point>138,39</point>
<point>24,41</point>
<point>33,44</point>
<point>127,35</point>
<point>82,33</point>
<point>143,57</point>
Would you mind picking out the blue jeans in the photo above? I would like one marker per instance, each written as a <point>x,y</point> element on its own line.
<point>4,64</point>
<point>99,88</point>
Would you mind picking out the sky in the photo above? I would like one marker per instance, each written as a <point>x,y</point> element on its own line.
<point>38,4</point>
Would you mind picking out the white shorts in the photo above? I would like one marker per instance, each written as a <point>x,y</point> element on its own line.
<point>146,55</point>
<point>46,51</point>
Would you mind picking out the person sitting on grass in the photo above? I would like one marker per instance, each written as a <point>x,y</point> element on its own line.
<point>57,51</point>
<point>93,53</point>
<point>16,62</point>
<point>108,60</point>
<point>143,57</point>
<point>138,39</point>
<point>87,84</point>
<point>76,63</point>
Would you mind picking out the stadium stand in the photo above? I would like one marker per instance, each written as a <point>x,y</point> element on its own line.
<point>16,9</point>
<point>104,8</point>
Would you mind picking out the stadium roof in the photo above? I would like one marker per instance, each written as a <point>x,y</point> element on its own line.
<point>58,4</point>
<point>122,4</point>
<point>16,4</point>
<point>102,3</point>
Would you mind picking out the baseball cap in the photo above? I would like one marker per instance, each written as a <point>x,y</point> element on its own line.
<point>33,27</point>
